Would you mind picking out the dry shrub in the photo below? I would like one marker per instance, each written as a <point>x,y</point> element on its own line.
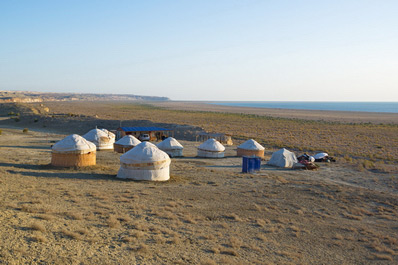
<point>138,234</point>
<point>377,256</point>
<point>227,251</point>
<point>39,238</point>
<point>282,180</point>
<point>235,242</point>
<point>75,215</point>
<point>208,261</point>
<point>113,222</point>
<point>338,237</point>
<point>71,234</point>
<point>214,250</point>
<point>124,218</point>
<point>82,231</point>
<point>46,217</point>
<point>262,237</point>
<point>142,248</point>
<point>189,219</point>
<point>175,240</point>
<point>143,226</point>
<point>127,239</point>
<point>38,227</point>
<point>159,239</point>
<point>234,217</point>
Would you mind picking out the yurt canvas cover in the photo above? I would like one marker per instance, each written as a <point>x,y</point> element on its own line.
<point>145,162</point>
<point>211,148</point>
<point>282,158</point>
<point>250,148</point>
<point>126,143</point>
<point>103,140</point>
<point>73,150</point>
<point>171,146</point>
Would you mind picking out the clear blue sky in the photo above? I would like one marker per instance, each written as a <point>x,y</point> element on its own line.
<point>203,50</point>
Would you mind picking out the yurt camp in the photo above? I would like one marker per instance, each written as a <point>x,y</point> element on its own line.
<point>125,144</point>
<point>145,162</point>
<point>171,146</point>
<point>211,148</point>
<point>282,158</point>
<point>72,151</point>
<point>250,148</point>
<point>103,140</point>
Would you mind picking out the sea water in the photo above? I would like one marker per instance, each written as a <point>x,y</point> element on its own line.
<point>391,107</point>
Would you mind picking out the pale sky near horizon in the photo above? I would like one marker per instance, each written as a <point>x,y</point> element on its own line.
<point>203,50</point>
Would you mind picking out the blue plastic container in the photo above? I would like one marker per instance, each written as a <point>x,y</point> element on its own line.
<point>251,164</point>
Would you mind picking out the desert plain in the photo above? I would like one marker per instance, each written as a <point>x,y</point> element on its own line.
<point>208,212</point>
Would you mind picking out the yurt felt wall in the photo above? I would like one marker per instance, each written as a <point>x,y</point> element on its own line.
<point>145,162</point>
<point>244,152</point>
<point>73,159</point>
<point>73,150</point>
<point>121,148</point>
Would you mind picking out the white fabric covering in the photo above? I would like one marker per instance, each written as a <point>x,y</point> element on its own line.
<point>72,144</point>
<point>320,155</point>
<point>211,148</point>
<point>282,158</point>
<point>212,145</point>
<point>145,162</point>
<point>128,140</point>
<point>171,146</point>
<point>110,134</point>
<point>251,145</point>
<point>103,140</point>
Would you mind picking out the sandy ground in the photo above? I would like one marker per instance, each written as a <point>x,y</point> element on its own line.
<point>340,116</point>
<point>208,213</point>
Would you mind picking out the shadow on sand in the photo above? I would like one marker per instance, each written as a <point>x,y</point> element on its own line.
<point>28,147</point>
<point>49,171</point>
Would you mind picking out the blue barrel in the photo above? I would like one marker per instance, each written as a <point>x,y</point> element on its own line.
<point>250,164</point>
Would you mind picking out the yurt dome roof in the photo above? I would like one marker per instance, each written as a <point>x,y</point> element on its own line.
<point>212,145</point>
<point>251,145</point>
<point>95,134</point>
<point>145,152</point>
<point>170,143</point>
<point>72,143</point>
<point>110,134</point>
<point>128,140</point>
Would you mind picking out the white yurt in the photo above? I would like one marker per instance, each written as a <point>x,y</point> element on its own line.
<point>103,140</point>
<point>171,146</point>
<point>72,151</point>
<point>282,158</point>
<point>211,148</point>
<point>250,148</point>
<point>145,162</point>
<point>125,143</point>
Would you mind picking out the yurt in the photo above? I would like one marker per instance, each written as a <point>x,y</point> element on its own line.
<point>125,144</point>
<point>250,148</point>
<point>211,148</point>
<point>72,151</point>
<point>282,158</point>
<point>171,146</point>
<point>145,162</point>
<point>102,139</point>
